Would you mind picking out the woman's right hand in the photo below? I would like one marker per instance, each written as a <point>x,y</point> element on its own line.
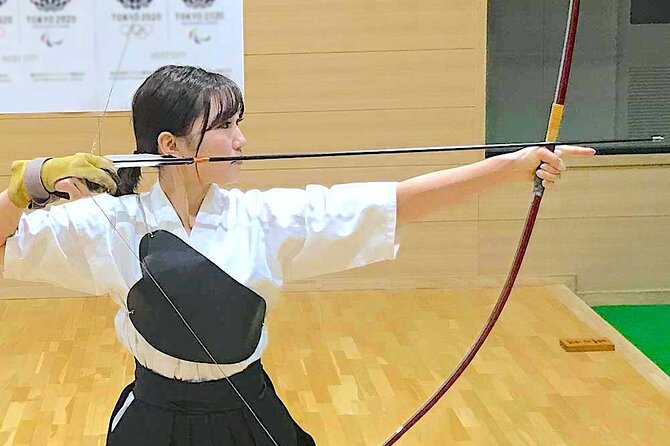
<point>96,170</point>
<point>74,188</point>
<point>88,169</point>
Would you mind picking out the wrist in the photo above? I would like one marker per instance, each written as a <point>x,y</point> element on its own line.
<point>26,188</point>
<point>513,166</point>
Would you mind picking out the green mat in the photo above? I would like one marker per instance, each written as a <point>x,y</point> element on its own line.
<point>646,326</point>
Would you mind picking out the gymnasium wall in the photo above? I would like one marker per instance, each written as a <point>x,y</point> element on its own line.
<point>335,75</point>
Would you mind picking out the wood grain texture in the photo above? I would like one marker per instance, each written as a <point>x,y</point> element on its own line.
<point>351,366</point>
<point>30,136</point>
<point>588,193</point>
<point>614,253</point>
<point>362,81</point>
<point>335,26</point>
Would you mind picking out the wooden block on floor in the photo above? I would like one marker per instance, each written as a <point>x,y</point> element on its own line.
<point>586,344</point>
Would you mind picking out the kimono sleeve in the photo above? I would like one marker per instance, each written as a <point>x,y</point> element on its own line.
<point>327,230</point>
<point>50,246</point>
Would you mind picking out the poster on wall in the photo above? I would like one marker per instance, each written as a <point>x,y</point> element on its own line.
<point>68,55</point>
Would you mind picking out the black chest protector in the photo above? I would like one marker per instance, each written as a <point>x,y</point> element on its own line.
<point>225,315</point>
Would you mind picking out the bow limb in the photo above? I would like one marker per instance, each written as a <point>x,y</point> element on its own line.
<point>146,270</point>
<point>553,127</point>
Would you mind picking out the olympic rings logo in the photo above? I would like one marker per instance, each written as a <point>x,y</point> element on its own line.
<point>137,31</point>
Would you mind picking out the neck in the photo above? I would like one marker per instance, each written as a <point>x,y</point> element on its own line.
<point>185,193</point>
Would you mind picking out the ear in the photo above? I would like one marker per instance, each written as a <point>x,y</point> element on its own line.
<point>167,144</point>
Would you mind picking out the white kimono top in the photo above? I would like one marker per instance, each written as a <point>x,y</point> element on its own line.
<point>261,239</point>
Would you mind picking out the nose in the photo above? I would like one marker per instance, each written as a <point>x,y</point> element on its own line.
<point>239,140</point>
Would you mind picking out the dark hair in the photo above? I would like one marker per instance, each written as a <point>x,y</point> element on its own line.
<point>171,99</point>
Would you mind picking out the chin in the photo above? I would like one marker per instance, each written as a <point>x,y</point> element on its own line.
<point>226,181</point>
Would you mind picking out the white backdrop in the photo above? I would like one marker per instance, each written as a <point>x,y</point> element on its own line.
<point>63,55</point>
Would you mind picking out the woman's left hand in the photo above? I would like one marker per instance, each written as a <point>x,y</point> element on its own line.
<point>526,162</point>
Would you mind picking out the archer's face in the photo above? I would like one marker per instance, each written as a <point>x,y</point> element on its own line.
<point>225,140</point>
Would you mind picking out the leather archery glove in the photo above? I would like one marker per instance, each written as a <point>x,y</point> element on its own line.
<point>33,183</point>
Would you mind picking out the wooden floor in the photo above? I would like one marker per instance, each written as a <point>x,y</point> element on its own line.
<point>352,366</point>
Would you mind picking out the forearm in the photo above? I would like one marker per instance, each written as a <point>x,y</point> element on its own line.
<point>9,219</point>
<point>421,195</point>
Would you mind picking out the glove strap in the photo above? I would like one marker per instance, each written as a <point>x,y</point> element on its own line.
<point>32,179</point>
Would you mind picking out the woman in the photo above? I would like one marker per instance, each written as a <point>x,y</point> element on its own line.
<point>195,268</point>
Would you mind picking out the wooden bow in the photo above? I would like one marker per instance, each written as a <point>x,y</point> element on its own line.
<point>553,127</point>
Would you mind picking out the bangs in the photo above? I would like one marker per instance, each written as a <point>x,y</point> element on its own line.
<point>227,101</point>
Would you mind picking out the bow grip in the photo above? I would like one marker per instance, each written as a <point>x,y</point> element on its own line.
<point>554,126</point>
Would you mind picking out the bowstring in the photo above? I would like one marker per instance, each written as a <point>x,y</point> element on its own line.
<point>115,77</point>
<point>141,262</point>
